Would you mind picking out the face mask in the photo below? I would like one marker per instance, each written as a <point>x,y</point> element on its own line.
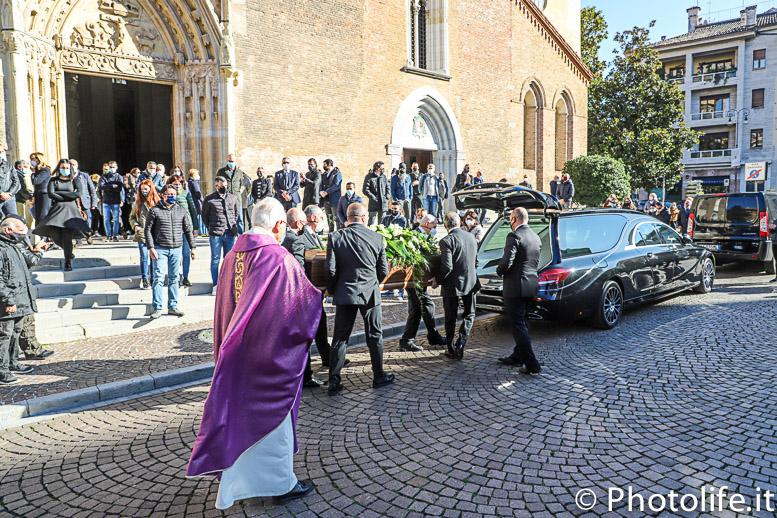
<point>311,168</point>
<point>2,157</point>
<point>33,163</point>
<point>433,232</point>
<point>286,167</point>
<point>394,212</point>
<point>222,190</point>
<point>145,192</point>
<point>18,237</point>
<point>526,180</point>
<point>64,172</point>
<point>112,169</point>
<point>326,168</point>
<point>431,172</point>
<point>349,192</point>
<point>178,188</point>
<point>469,222</point>
<point>415,169</point>
<point>231,165</point>
<point>170,199</point>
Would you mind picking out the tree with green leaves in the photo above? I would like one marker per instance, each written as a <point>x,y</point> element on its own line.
<point>635,116</point>
<point>593,32</point>
<point>596,177</point>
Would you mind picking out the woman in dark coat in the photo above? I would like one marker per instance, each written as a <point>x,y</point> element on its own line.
<point>41,174</point>
<point>64,221</point>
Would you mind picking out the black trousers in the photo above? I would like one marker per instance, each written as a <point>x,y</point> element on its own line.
<point>28,342</point>
<point>419,305</point>
<point>63,237</point>
<point>451,307</point>
<point>415,205</point>
<point>345,316</point>
<point>125,214</point>
<point>322,344</point>
<point>515,309</point>
<point>10,329</point>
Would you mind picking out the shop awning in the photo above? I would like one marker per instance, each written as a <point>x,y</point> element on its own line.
<point>711,180</point>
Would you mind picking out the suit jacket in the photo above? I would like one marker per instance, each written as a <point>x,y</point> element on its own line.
<point>342,206</point>
<point>519,263</point>
<point>331,184</point>
<point>459,259</point>
<point>461,181</point>
<point>296,246</point>
<point>235,181</point>
<point>312,184</point>
<point>290,185</point>
<point>376,188</point>
<point>355,266</point>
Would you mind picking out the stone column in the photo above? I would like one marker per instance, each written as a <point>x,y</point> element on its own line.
<point>17,105</point>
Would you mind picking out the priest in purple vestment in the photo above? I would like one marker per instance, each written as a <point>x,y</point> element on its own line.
<point>267,314</point>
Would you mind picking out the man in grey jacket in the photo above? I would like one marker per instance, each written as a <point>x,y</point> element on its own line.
<point>89,199</point>
<point>166,223</point>
<point>220,215</point>
<point>235,184</point>
<point>376,189</point>
<point>9,184</point>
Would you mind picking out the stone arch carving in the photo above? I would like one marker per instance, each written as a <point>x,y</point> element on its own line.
<point>533,84</point>
<point>179,42</point>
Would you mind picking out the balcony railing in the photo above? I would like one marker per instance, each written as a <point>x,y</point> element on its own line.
<point>712,153</point>
<point>703,116</point>
<point>678,79</point>
<point>714,77</point>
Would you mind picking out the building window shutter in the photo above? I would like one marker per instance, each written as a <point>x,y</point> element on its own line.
<point>758,98</point>
<point>759,59</point>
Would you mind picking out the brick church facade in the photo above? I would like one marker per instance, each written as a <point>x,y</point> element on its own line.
<point>498,84</point>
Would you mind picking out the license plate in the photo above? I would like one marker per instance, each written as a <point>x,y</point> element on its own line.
<point>714,248</point>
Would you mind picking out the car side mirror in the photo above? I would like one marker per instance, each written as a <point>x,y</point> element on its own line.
<point>686,239</point>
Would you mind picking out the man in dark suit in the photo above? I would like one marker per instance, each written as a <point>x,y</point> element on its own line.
<point>518,266</point>
<point>376,189</point>
<point>235,185</point>
<point>312,184</point>
<point>287,185</point>
<point>457,277</point>
<point>420,304</point>
<point>355,265</point>
<point>300,237</point>
<point>330,191</point>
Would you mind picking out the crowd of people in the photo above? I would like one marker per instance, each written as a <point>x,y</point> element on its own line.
<point>674,215</point>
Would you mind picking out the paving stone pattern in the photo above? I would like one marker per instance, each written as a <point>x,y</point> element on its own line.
<point>681,395</point>
<point>86,363</point>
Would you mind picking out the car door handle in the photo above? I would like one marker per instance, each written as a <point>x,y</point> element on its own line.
<point>650,254</point>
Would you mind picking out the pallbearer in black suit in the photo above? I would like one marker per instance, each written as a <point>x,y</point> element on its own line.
<point>355,264</point>
<point>458,280</point>
<point>518,266</point>
<point>299,239</point>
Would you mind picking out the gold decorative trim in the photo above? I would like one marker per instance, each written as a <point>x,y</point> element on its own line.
<point>239,272</point>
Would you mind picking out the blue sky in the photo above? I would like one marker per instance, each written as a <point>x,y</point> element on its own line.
<point>671,18</point>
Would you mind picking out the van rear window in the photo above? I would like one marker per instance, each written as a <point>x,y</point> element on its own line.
<point>742,209</point>
<point>711,210</point>
<point>590,234</point>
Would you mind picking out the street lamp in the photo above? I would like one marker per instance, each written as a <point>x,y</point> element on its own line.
<point>733,116</point>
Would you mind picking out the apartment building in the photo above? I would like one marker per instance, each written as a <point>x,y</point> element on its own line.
<point>727,71</point>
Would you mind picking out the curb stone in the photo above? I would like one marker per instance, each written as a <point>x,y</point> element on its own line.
<point>141,385</point>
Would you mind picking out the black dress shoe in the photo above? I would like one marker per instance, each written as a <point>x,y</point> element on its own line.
<point>383,380</point>
<point>40,356</point>
<point>436,339</point>
<point>524,370</point>
<point>335,388</point>
<point>21,369</point>
<point>459,351</point>
<point>507,360</point>
<point>773,280</point>
<point>68,266</point>
<point>313,382</point>
<point>409,346</point>
<point>300,490</point>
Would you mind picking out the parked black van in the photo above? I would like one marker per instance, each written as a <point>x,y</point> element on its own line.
<point>735,227</point>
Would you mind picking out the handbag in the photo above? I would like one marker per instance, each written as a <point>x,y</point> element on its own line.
<point>81,209</point>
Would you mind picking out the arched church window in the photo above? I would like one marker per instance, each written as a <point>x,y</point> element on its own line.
<point>531,130</point>
<point>563,132</point>
<point>428,35</point>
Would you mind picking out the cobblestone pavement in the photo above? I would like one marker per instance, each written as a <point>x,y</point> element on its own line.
<point>678,397</point>
<point>86,363</point>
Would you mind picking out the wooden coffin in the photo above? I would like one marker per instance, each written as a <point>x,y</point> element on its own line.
<point>397,279</point>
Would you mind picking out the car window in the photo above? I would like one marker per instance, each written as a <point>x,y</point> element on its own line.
<point>742,209</point>
<point>647,234</point>
<point>711,210</point>
<point>497,238</point>
<point>589,234</point>
<point>670,236</point>
<point>492,247</point>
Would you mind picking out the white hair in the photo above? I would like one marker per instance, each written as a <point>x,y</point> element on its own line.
<point>267,213</point>
<point>314,210</point>
<point>427,220</point>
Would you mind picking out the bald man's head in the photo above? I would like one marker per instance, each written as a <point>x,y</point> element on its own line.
<point>295,219</point>
<point>518,216</point>
<point>357,213</point>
